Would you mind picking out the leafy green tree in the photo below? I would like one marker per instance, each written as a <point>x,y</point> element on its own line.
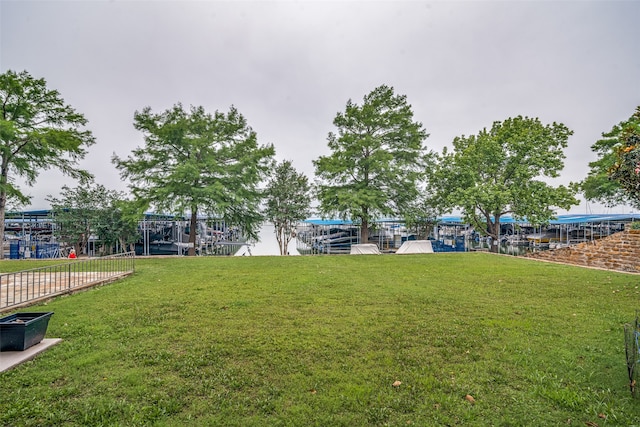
<point>288,201</point>
<point>93,210</point>
<point>422,215</point>
<point>118,226</point>
<point>377,160</point>
<point>613,178</point>
<point>499,171</point>
<point>37,131</point>
<point>197,162</point>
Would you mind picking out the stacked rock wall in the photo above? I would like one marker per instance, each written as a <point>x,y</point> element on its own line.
<point>620,251</point>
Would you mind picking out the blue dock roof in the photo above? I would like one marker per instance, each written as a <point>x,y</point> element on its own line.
<point>457,219</point>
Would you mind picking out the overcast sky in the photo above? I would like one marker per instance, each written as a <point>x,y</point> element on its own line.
<point>290,66</point>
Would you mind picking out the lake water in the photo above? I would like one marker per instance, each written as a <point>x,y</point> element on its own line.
<point>268,245</point>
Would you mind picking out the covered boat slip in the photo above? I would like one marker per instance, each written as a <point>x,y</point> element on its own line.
<point>169,235</point>
<point>452,234</point>
<point>318,236</point>
<point>566,230</point>
<point>30,234</point>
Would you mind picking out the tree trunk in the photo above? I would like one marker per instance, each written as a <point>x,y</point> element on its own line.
<point>3,205</point>
<point>279,236</point>
<point>193,223</point>
<point>364,231</point>
<point>494,232</point>
<point>283,235</point>
<point>4,173</point>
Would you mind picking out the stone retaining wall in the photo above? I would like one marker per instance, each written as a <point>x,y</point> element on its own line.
<point>620,251</point>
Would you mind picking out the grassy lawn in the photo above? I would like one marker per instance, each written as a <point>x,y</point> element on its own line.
<point>255,341</point>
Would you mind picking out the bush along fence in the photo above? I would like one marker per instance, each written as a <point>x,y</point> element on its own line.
<point>30,286</point>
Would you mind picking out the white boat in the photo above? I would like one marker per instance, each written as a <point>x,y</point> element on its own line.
<point>544,237</point>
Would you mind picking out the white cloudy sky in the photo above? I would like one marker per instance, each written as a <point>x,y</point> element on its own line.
<point>290,66</point>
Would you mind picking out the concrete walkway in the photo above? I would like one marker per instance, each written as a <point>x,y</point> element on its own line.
<point>10,359</point>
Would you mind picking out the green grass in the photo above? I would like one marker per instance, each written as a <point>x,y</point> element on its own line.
<point>287,341</point>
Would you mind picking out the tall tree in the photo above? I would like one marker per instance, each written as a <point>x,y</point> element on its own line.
<point>499,171</point>
<point>92,210</point>
<point>288,201</point>
<point>197,162</point>
<point>422,215</point>
<point>37,131</point>
<point>377,160</point>
<point>119,227</point>
<point>613,178</point>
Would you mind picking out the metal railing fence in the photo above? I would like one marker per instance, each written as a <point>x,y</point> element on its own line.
<point>28,286</point>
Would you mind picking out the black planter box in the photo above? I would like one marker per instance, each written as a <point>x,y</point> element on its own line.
<point>20,331</point>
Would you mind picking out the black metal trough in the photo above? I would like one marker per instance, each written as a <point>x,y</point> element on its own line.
<point>20,331</point>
